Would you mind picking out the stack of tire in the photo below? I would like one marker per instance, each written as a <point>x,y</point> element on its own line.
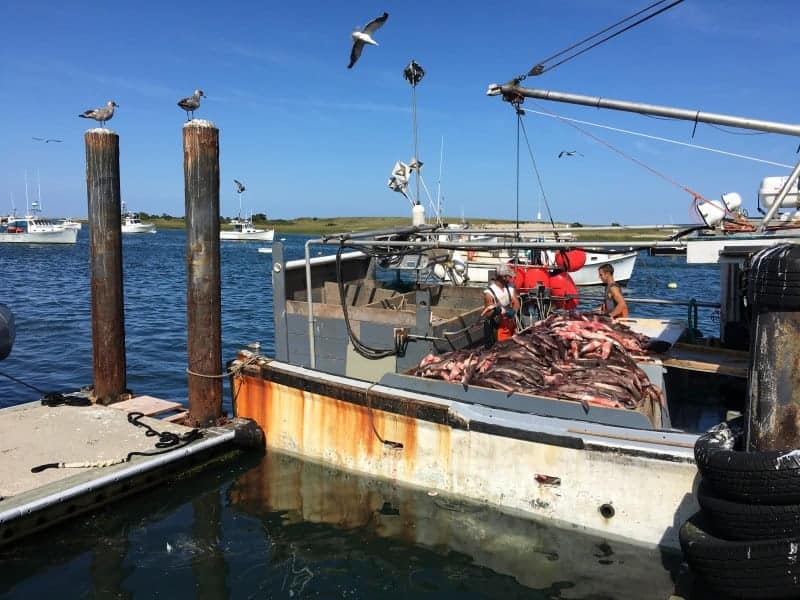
<point>745,542</point>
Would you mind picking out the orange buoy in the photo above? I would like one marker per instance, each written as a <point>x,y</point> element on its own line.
<point>561,285</point>
<point>571,260</point>
<point>535,275</point>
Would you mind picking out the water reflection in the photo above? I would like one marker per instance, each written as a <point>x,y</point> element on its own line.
<point>282,528</point>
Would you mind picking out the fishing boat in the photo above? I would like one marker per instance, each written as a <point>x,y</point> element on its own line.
<point>35,229</point>
<point>342,390</point>
<point>131,223</point>
<point>244,230</point>
<point>348,385</point>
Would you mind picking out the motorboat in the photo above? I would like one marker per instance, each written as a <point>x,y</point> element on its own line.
<point>69,223</point>
<point>34,229</point>
<point>481,264</point>
<point>131,223</point>
<point>244,230</point>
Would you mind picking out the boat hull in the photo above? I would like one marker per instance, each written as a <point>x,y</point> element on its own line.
<point>616,482</point>
<point>480,269</point>
<point>139,228</point>
<point>261,236</point>
<point>63,236</point>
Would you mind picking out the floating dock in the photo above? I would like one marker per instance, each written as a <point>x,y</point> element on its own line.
<point>34,434</point>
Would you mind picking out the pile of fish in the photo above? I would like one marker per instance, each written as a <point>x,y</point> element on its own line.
<point>584,357</point>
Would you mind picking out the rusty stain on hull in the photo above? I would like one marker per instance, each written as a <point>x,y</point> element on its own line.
<point>334,430</point>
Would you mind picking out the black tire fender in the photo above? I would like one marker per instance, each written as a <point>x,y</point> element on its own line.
<point>741,569</point>
<point>739,521</point>
<point>771,477</point>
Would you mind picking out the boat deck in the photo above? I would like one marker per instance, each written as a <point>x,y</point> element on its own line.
<point>34,434</point>
<point>708,360</point>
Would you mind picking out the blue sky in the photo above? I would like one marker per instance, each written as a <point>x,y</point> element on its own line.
<point>311,138</point>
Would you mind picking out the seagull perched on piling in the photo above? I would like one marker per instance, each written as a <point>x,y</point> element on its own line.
<point>101,114</point>
<point>191,103</point>
<point>569,153</point>
<point>364,36</point>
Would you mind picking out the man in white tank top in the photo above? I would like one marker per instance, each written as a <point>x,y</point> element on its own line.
<point>501,303</point>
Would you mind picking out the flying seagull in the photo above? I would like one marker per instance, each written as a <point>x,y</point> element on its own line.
<point>46,140</point>
<point>101,114</point>
<point>569,153</point>
<point>239,186</point>
<point>364,36</point>
<point>191,103</point>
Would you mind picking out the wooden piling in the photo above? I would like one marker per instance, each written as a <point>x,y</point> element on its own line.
<point>105,264</point>
<point>203,295</point>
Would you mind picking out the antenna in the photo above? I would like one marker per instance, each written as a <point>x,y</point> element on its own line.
<point>439,183</point>
<point>39,193</point>
<point>27,206</point>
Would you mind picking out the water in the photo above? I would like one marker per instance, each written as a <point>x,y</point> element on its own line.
<point>274,527</point>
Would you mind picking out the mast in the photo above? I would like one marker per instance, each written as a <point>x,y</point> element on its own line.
<point>513,92</point>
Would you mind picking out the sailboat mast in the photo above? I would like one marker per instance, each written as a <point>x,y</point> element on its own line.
<point>27,205</point>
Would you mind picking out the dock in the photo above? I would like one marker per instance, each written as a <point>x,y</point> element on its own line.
<point>34,434</point>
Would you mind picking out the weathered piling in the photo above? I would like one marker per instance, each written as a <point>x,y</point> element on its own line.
<point>105,264</point>
<point>203,295</point>
<point>773,294</point>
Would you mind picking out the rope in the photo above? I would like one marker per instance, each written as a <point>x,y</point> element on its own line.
<point>232,371</point>
<point>540,67</point>
<point>167,442</point>
<point>660,139</point>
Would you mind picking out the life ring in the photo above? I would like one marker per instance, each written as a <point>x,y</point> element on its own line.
<point>739,521</point>
<point>742,569</point>
<point>769,477</point>
<point>470,254</point>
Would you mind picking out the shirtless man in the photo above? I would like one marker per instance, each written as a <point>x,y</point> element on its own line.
<point>614,302</point>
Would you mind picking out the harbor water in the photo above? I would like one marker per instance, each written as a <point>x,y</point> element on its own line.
<point>272,526</point>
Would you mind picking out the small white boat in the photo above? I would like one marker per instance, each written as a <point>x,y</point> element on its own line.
<point>244,230</point>
<point>480,264</point>
<point>131,223</point>
<point>69,223</point>
<point>33,229</point>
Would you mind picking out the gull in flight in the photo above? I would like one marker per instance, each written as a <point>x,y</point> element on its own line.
<point>46,140</point>
<point>101,114</point>
<point>569,153</point>
<point>191,103</point>
<point>364,36</point>
<point>239,186</point>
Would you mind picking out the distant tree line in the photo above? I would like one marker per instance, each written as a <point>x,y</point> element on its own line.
<point>257,218</point>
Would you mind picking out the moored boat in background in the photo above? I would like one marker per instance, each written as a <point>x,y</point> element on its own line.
<point>131,223</point>
<point>34,229</point>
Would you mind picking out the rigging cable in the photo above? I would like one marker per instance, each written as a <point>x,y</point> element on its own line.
<point>660,139</point>
<point>536,170</point>
<point>540,67</point>
<point>629,157</point>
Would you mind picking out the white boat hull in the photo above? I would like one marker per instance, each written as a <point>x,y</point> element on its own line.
<point>626,484</point>
<point>705,250</point>
<point>248,236</point>
<point>139,228</point>
<point>62,236</point>
<point>480,268</point>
